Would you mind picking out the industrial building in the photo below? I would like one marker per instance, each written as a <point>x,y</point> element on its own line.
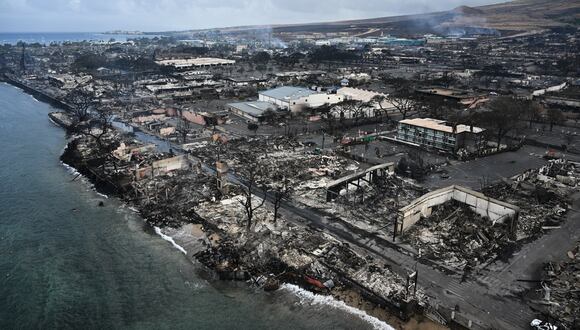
<point>256,111</point>
<point>440,135</point>
<point>297,98</point>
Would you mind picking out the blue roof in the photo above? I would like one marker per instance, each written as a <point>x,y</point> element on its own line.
<point>288,93</point>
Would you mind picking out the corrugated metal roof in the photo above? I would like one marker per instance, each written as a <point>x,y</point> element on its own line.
<point>254,109</point>
<point>288,93</point>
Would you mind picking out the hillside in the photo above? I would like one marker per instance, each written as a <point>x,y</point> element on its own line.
<point>504,18</point>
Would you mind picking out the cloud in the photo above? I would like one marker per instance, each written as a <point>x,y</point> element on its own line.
<point>163,15</point>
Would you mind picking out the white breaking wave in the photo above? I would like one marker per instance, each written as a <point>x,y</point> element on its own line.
<point>52,121</point>
<point>91,186</point>
<point>316,299</point>
<point>102,195</point>
<point>169,239</point>
<point>71,169</point>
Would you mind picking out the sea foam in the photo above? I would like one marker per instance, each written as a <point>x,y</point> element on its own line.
<point>76,173</point>
<point>70,169</point>
<point>169,239</point>
<point>316,299</point>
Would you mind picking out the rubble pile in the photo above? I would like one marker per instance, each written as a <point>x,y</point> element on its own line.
<point>457,236</point>
<point>273,159</point>
<point>171,200</point>
<point>378,202</point>
<point>228,214</point>
<point>542,196</point>
<point>379,278</point>
<point>290,253</point>
<point>562,289</point>
<point>166,196</point>
<point>94,160</point>
<point>370,207</point>
<point>225,260</point>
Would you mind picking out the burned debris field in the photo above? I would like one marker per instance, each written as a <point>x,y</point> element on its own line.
<point>458,237</point>
<point>427,179</point>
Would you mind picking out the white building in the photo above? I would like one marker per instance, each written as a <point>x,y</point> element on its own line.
<point>199,62</point>
<point>439,134</point>
<point>297,98</point>
<point>366,96</point>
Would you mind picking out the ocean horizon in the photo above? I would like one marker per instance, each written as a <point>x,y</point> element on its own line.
<point>46,38</point>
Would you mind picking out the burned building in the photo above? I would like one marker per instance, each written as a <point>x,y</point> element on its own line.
<point>334,188</point>
<point>496,211</point>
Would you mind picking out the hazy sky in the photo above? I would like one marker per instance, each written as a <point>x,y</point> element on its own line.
<point>165,15</point>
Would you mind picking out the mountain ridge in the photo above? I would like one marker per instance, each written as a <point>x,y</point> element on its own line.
<point>502,18</point>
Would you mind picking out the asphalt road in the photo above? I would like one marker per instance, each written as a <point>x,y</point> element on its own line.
<point>489,169</point>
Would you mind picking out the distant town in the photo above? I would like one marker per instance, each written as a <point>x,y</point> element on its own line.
<point>430,176</point>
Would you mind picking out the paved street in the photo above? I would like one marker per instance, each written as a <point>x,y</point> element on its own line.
<point>526,263</point>
<point>489,169</point>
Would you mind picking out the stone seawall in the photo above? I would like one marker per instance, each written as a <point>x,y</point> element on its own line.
<point>39,95</point>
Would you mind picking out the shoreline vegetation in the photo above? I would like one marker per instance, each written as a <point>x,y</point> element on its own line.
<point>224,246</point>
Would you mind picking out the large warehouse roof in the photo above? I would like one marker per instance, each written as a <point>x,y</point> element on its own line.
<point>287,93</point>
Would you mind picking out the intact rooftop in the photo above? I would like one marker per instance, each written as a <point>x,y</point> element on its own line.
<point>200,61</point>
<point>441,125</point>
<point>255,108</point>
<point>288,93</point>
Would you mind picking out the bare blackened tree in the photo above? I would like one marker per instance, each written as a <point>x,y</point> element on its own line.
<point>403,100</point>
<point>436,106</point>
<point>248,193</point>
<point>97,127</point>
<point>80,102</point>
<point>380,100</point>
<point>555,117</point>
<point>533,112</point>
<point>502,116</point>
<point>281,190</point>
<point>356,109</point>
<point>253,127</point>
<point>100,124</point>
